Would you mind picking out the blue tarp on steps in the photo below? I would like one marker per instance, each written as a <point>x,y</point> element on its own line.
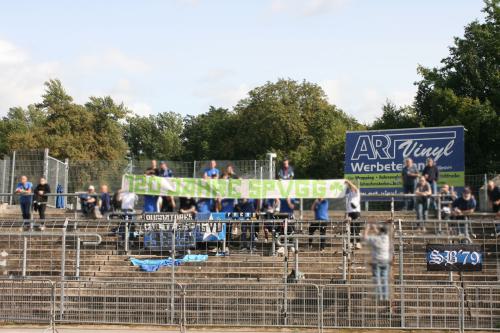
<point>152,265</point>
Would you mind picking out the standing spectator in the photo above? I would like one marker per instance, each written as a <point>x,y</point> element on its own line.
<point>41,191</point>
<point>494,198</point>
<point>409,176</point>
<point>167,202</point>
<point>462,208</point>
<point>269,207</point>
<point>128,201</point>
<point>286,171</point>
<point>320,209</point>
<point>105,200</point>
<point>422,194</point>
<point>229,173</point>
<point>378,239</point>
<point>88,202</point>
<point>447,198</point>
<point>353,211</point>
<point>211,171</point>
<point>287,206</point>
<point>116,201</point>
<point>431,174</point>
<point>187,205</point>
<point>247,207</point>
<point>25,189</point>
<point>153,169</point>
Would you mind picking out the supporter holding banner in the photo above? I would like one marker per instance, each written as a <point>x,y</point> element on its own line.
<point>233,188</point>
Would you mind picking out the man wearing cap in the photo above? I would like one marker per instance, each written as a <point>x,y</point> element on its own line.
<point>286,171</point>
<point>88,201</point>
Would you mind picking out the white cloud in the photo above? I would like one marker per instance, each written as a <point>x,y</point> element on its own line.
<point>306,7</point>
<point>364,103</point>
<point>113,59</point>
<point>223,95</point>
<point>21,81</point>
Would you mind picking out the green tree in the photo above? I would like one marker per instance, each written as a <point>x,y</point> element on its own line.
<point>396,117</point>
<point>155,136</point>
<point>466,90</point>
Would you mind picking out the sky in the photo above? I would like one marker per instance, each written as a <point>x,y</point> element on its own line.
<point>186,55</point>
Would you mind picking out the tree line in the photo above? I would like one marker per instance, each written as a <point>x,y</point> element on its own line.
<point>289,117</point>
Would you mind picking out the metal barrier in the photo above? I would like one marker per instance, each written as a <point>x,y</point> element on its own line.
<point>119,302</point>
<point>250,304</point>
<point>23,301</point>
<point>482,307</point>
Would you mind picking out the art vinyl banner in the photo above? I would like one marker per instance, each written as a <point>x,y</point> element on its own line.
<point>376,158</point>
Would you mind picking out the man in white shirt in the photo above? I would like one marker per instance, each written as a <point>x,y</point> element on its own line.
<point>378,239</point>
<point>353,211</point>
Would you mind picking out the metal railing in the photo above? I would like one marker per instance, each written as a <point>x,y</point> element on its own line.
<point>251,305</point>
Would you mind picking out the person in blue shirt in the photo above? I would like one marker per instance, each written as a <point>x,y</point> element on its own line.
<point>204,205</point>
<point>150,204</point>
<point>212,171</point>
<point>25,188</point>
<point>269,207</point>
<point>105,200</point>
<point>320,209</point>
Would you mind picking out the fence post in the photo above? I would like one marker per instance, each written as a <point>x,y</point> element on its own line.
<point>285,275</point>
<point>172,277</point>
<point>320,310</point>
<point>401,272</point>
<point>46,163</point>
<point>392,208</point>
<point>25,254</point>
<point>63,263</point>
<point>12,176</point>
<point>485,186</point>
<point>77,262</point>
<point>4,171</point>
<point>194,169</point>
<point>66,181</point>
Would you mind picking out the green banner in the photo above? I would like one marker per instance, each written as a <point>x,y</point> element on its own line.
<point>391,180</point>
<point>233,188</point>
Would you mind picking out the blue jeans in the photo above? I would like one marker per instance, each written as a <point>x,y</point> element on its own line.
<point>26,209</point>
<point>380,273</point>
<point>422,208</point>
<point>409,189</point>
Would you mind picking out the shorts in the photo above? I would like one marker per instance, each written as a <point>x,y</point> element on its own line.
<point>354,215</point>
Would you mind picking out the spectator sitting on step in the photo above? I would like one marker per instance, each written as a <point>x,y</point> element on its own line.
<point>88,201</point>
<point>211,171</point>
<point>378,239</point>
<point>116,201</point>
<point>25,188</point>
<point>249,228</point>
<point>105,202</point>
<point>462,208</point>
<point>447,198</point>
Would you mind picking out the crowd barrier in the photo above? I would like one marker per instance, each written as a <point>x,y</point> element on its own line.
<point>250,305</point>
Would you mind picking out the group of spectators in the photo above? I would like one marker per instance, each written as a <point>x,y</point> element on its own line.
<point>423,187</point>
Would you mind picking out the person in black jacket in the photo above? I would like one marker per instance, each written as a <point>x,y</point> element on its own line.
<point>40,193</point>
<point>431,174</point>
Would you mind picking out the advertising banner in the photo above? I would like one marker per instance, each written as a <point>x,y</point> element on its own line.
<point>454,257</point>
<point>233,188</point>
<point>376,158</point>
